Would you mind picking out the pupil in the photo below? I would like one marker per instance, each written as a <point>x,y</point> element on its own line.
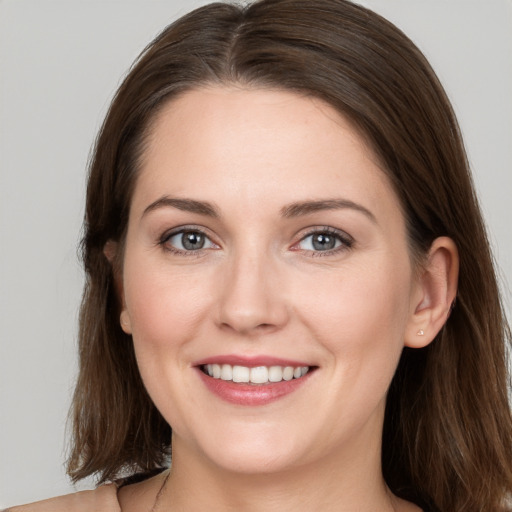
<point>192,240</point>
<point>323,242</point>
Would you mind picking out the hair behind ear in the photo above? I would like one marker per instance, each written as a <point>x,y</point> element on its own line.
<point>116,427</point>
<point>448,413</point>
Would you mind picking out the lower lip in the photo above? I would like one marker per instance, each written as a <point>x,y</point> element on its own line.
<point>250,394</point>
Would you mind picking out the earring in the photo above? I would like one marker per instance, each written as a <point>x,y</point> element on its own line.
<point>420,332</point>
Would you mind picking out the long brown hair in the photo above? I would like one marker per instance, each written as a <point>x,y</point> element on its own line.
<point>447,438</point>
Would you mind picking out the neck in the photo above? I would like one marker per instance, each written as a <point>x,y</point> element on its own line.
<point>341,484</point>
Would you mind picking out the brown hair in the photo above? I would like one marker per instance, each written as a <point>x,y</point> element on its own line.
<point>447,438</point>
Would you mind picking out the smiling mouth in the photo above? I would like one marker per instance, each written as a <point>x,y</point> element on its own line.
<point>255,375</point>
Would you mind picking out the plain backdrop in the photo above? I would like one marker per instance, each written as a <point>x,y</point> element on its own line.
<point>60,62</point>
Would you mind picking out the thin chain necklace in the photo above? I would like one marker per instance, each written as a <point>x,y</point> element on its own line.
<point>160,492</point>
<point>164,483</point>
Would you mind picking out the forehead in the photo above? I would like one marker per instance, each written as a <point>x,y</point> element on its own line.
<point>255,145</point>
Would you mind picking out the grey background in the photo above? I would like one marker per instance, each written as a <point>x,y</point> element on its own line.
<point>60,62</point>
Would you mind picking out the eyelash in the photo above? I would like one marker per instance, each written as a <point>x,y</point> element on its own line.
<point>346,242</point>
<point>164,240</point>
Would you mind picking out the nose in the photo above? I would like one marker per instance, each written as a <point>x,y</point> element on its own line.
<point>252,296</point>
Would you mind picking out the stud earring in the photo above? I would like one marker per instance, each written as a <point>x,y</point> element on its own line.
<point>420,332</point>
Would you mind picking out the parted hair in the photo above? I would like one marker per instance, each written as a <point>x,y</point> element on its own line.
<point>447,439</point>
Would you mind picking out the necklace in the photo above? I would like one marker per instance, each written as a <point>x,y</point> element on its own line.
<point>160,492</point>
<point>164,483</point>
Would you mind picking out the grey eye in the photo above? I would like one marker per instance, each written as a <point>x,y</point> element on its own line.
<point>190,241</point>
<point>320,241</point>
<point>323,242</point>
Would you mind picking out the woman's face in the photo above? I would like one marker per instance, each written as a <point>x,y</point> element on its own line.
<point>265,241</point>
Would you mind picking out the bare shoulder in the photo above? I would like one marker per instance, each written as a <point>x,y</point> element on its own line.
<point>102,499</point>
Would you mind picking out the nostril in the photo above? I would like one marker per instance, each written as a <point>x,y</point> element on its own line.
<point>250,300</point>
<point>249,328</point>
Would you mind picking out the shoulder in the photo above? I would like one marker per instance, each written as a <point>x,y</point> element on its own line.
<point>102,499</point>
<point>141,492</point>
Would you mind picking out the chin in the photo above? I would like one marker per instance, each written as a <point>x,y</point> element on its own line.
<point>255,462</point>
<point>253,450</point>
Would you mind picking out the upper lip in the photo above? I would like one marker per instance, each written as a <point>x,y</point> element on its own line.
<point>249,361</point>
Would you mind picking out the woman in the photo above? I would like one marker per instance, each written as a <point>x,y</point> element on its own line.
<point>287,266</point>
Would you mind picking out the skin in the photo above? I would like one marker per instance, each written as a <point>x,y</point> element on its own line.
<point>259,287</point>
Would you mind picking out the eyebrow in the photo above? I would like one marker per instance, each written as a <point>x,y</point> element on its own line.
<point>187,205</point>
<point>307,207</point>
<point>292,210</point>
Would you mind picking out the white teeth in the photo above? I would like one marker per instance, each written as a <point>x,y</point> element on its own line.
<point>288,373</point>
<point>226,372</point>
<point>275,374</point>
<point>259,375</point>
<point>216,371</point>
<point>241,374</point>
<point>256,374</point>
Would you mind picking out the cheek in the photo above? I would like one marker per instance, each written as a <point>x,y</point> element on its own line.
<point>166,310</point>
<point>362,316</point>
<point>165,307</point>
<point>360,322</point>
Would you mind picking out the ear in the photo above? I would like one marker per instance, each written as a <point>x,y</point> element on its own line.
<point>434,293</point>
<point>125,321</point>
<point>110,250</point>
